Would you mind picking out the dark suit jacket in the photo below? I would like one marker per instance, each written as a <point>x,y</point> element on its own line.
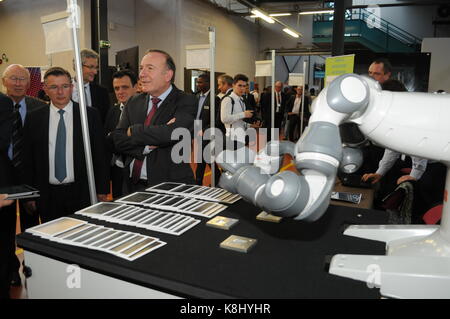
<point>100,99</point>
<point>36,161</point>
<point>290,106</point>
<point>6,120</point>
<point>266,106</point>
<point>249,101</point>
<point>34,104</point>
<point>206,111</point>
<point>160,167</point>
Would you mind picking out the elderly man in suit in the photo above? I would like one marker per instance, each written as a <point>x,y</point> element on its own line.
<point>16,80</point>
<point>97,96</point>
<point>280,104</point>
<point>54,157</point>
<point>148,120</point>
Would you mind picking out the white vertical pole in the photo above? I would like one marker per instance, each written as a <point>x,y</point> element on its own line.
<point>305,63</point>
<point>75,23</point>
<point>272,124</point>
<point>212,96</point>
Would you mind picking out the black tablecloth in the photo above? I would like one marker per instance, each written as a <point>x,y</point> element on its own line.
<point>289,260</point>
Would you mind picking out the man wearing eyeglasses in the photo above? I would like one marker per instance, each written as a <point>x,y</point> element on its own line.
<point>54,158</point>
<point>96,95</point>
<point>16,80</point>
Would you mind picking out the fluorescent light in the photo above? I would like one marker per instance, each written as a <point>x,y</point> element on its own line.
<point>280,14</point>
<point>291,33</point>
<point>317,12</point>
<point>263,16</point>
<point>272,15</point>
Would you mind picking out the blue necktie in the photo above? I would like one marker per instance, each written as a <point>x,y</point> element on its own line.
<point>60,149</point>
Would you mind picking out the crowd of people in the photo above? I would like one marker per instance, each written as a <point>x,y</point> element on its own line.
<point>131,141</point>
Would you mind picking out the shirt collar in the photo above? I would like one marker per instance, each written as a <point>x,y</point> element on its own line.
<point>205,94</point>
<point>163,96</point>
<point>21,103</point>
<point>66,108</point>
<point>74,82</point>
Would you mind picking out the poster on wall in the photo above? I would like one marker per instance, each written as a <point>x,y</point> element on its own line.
<point>58,36</point>
<point>296,79</point>
<point>338,65</point>
<point>198,56</point>
<point>263,68</point>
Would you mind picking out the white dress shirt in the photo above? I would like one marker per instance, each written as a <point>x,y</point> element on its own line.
<point>297,104</point>
<point>232,117</point>
<point>277,101</point>
<point>76,96</point>
<point>52,130</point>
<point>419,165</point>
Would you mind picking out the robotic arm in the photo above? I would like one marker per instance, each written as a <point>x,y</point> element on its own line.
<point>400,121</point>
<point>317,155</point>
<point>412,123</point>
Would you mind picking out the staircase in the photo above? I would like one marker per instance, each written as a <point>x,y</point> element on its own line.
<point>365,31</point>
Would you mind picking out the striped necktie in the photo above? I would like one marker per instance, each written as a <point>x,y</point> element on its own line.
<point>17,138</point>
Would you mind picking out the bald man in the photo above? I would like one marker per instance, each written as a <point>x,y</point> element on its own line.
<point>16,80</point>
<point>281,100</point>
<point>380,70</point>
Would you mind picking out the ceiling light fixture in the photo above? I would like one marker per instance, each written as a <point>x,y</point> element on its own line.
<point>263,16</point>
<point>316,12</point>
<point>280,14</point>
<point>275,15</point>
<point>291,33</point>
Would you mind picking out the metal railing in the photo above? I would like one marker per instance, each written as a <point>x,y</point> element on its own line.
<point>375,22</point>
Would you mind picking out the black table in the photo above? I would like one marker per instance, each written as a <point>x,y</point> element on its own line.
<point>289,260</point>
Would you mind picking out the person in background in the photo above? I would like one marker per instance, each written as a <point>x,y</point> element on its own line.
<point>224,85</point>
<point>280,104</point>
<point>16,80</point>
<point>233,110</point>
<point>204,115</point>
<point>97,96</point>
<point>125,86</point>
<point>255,93</point>
<point>294,111</point>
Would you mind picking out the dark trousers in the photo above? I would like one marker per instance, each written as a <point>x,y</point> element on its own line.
<point>117,174</point>
<point>27,220</point>
<point>63,200</point>
<point>293,127</point>
<point>268,123</point>
<point>131,187</point>
<point>7,247</point>
<point>200,170</point>
<point>429,190</point>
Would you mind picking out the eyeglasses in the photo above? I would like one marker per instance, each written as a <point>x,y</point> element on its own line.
<point>55,87</point>
<point>91,67</point>
<point>15,79</point>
